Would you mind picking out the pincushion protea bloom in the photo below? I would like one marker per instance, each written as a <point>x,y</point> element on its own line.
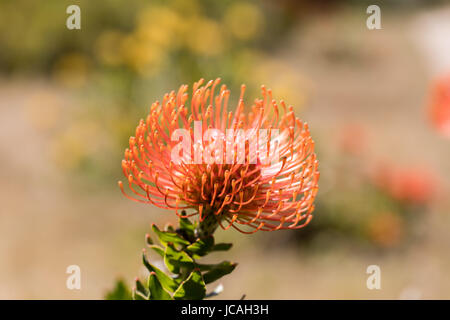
<point>440,105</point>
<point>266,188</point>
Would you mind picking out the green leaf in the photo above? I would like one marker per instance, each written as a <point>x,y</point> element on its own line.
<point>165,237</point>
<point>201,247</point>
<point>222,247</point>
<point>157,292</point>
<point>141,290</point>
<point>158,249</point>
<point>169,227</point>
<point>138,296</point>
<point>206,267</point>
<point>166,281</point>
<point>148,239</point>
<point>175,259</point>
<point>193,288</point>
<point>120,292</point>
<point>209,267</point>
<point>218,271</point>
<point>187,226</point>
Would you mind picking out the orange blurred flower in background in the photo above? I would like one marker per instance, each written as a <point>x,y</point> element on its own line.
<point>257,193</point>
<point>415,185</point>
<point>440,105</point>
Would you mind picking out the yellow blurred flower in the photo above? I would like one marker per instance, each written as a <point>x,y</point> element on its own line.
<point>71,70</point>
<point>243,20</point>
<point>205,37</point>
<point>159,26</point>
<point>143,57</point>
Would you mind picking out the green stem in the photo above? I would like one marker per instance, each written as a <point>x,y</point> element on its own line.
<point>208,226</point>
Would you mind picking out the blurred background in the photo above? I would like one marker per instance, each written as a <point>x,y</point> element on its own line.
<point>377,101</point>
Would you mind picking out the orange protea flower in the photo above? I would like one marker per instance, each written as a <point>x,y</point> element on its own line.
<point>440,105</point>
<point>224,178</point>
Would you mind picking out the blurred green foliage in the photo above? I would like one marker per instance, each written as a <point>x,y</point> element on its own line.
<point>127,55</point>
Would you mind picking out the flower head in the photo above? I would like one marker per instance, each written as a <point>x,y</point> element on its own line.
<point>250,171</point>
